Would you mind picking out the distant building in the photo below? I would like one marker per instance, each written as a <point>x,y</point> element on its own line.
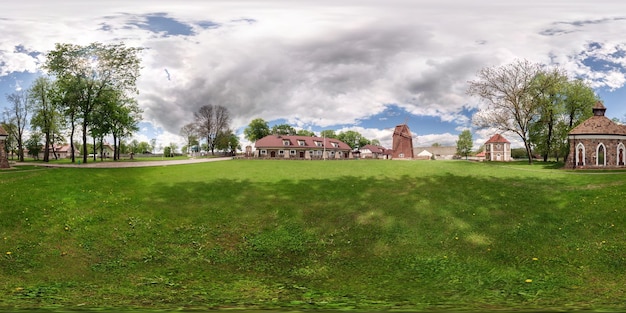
<point>402,143</point>
<point>497,148</point>
<point>438,153</point>
<point>598,142</point>
<point>374,152</point>
<point>301,147</point>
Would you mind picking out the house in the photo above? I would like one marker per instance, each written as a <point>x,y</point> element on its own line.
<point>598,142</point>
<point>402,143</point>
<point>424,155</point>
<point>497,148</point>
<point>438,152</point>
<point>373,152</point>
<point>301,147</point>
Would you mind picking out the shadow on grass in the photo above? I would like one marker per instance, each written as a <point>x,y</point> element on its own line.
<point>411,242</point>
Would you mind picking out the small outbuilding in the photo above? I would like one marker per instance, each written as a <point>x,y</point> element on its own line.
<point>598,142</point>
<point>498,148</point>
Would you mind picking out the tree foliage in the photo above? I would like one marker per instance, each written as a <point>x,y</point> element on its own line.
<point>464,144</point>
<point>353,139</point>
<point>283,129</point>
<point>91,77</point>
<point>210,121</point>
<point>510,94</point>
<point>304,132</point>
<point>16,114</point>
<point>257,129</point>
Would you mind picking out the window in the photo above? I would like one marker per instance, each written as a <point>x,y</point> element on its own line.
<point>497,146</point>
<point>263,152</point>
<point>620,154</point>
<point>292,152</point>
<point>336,145</point>
<point>286,142</point>
<point>281,152</point>
<point>580,155</point>
<point>601,153</point>
<point>301,143</point>
<point>318,143</point>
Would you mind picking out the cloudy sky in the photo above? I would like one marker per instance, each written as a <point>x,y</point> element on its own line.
<point>359,65</point>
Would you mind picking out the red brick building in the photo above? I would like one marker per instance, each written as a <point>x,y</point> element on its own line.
<point>402,143</point>
<point>598,142</point>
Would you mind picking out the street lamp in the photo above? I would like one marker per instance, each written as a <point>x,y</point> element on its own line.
<point>4,162</point>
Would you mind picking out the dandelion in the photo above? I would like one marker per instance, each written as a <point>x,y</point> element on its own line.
<point>535,259</point>
<point>529,280</point>
<point>9,252</point>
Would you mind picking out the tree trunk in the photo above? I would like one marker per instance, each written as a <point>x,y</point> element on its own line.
<point>46,151</point>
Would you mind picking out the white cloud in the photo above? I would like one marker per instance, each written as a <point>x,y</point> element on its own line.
<point>323,63</point>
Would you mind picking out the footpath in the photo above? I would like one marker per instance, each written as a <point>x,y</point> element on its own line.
<point>120,164</point>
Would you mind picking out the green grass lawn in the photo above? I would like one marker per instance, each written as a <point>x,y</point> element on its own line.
<point>349,235</point>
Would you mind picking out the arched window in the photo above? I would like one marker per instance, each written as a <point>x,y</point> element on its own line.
<point>601,153</point>
<point>580,155</point>
<point>621,157</point>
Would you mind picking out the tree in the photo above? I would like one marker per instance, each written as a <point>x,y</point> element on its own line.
<point>228,142</point>
<point>511,104</point>
<point>547,89</point>
<point>33,144</point>
<point>257,129</point>
<point>46,116</point>
<point>89,75</point>
<point>304,132</point>
<point>464,144</point>
<point>376,142</point>
<point>328,133</point>
<point>189,132</point>
<point>17,115</point>
<point>211,119</point>
<point>353,139</point>
<point>283,129</point>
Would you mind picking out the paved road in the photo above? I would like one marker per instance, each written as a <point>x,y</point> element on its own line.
<point>117,164</point>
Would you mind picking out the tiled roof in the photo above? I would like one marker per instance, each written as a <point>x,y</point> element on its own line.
<point>599,124</point>
<point>374,149</point>
<point>278,141</point>
<point>3,132</point>
<point>497,138</point>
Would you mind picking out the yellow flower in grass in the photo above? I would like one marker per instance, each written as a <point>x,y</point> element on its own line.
<point>529,280</point>
<point>535,259</point>
<point>9,252</point>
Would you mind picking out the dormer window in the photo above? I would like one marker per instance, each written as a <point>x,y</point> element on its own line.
<point>286,142</point>
<point>336,145</point>
<point>318,143</point>
<point>301,143</point>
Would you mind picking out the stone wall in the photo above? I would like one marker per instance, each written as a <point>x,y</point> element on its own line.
<point>591,146</point>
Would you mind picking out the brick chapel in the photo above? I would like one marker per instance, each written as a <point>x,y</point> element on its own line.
<point>598,142</point>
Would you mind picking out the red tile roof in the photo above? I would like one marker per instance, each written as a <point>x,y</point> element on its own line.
<point>277,141</point>
<point>497,138</point>
<point>3,132</point>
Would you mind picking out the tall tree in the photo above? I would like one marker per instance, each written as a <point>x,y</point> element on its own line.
<point>548,91</point>
<point>353,139</point>
<point>227,141</point>
<point>257,129</point>
<point>17,115</point>
<point>508,93</point>
<point>464,144</point>
<point>189,133</point>
<point>328,133</point>
<point>283,129</point>
<point>304,132</point>
<point>211,119</point>
<point>46,115</point>
<point>89,73</point>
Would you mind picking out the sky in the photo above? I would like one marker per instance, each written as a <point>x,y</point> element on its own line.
<point>361,65</point>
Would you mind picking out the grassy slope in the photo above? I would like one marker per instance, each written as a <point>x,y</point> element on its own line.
<point>354,234</point>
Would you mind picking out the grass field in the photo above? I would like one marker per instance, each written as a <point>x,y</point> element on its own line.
<point>350,235</point>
